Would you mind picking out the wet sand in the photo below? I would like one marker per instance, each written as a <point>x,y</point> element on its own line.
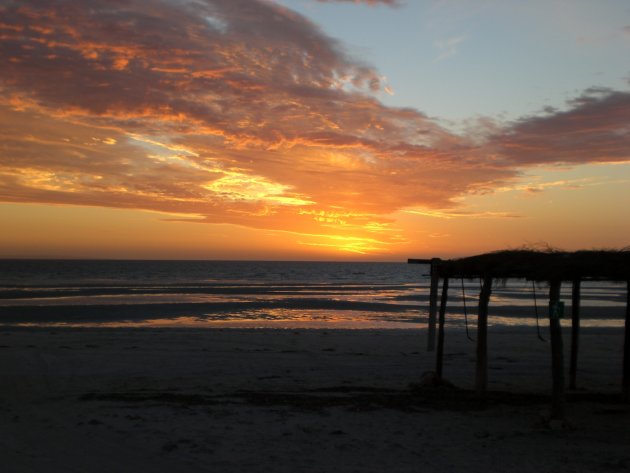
<point>230,400</point>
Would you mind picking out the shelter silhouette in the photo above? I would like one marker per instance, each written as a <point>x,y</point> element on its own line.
<point>553,267</point>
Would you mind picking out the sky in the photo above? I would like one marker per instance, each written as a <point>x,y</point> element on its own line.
<point>372,130</point>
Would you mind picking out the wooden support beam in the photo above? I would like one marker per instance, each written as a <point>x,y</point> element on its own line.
<point>481,377</point>
<point>433,294</point>
<point>557,358</point>
<point>440,343</point>
<point>626,350</point>
<point>575,332</point>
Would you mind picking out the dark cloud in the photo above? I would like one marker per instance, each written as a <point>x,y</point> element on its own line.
<point>595,128</point>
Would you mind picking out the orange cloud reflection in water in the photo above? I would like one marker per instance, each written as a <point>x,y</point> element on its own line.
<point>269,318</point>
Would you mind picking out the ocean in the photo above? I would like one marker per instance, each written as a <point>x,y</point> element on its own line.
<point>263,294</point>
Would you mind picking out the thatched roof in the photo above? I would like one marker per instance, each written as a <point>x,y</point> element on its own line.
<point>610,265</point>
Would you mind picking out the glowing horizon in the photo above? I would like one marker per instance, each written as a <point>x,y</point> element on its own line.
<point>243,130</point>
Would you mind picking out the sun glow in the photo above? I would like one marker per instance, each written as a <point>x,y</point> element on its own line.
<point>238,186</point>
<point>347,244</point>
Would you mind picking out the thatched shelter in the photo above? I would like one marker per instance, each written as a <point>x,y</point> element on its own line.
<point>554,267</point>
<point>542,266</point>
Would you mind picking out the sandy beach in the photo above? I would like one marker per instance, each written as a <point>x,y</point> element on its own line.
<point>93,400</point>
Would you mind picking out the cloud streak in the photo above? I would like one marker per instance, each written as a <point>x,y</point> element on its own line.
<point>391,3</point>
<point>244,112</point>
<point>448,47</point>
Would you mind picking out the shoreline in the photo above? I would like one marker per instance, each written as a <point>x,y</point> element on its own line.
<point>311,320</point>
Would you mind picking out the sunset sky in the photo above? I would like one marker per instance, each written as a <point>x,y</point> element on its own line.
<point>372,130</point>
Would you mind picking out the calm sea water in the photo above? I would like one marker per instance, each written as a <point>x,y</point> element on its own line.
<point>263,294</point>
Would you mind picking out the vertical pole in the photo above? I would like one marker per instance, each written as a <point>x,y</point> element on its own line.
<point>557,358</point>
<point>440,343</point>
<point>575,332</point>
<point>481,378</point>
<point>435,281</point>
<point>626,350</point>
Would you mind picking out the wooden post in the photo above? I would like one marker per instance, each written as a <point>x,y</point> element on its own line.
<point>435,281</point>
<point>557,358</point>
<point>575,332</point>
<point>481,378</point>
<point>626,350</point>
<point>440,343</point>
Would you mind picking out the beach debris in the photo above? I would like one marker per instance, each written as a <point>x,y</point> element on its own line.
<point>430,379</point>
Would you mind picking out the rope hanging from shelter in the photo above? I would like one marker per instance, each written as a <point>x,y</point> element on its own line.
<point>466,312</point>
<point>540,337</point>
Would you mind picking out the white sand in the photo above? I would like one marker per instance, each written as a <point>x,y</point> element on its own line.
<point>171,400</point>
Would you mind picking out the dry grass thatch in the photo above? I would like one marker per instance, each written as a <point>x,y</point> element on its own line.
<point>549,265</point>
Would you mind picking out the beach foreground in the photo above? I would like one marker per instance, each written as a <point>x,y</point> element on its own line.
<point>92,400</point>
